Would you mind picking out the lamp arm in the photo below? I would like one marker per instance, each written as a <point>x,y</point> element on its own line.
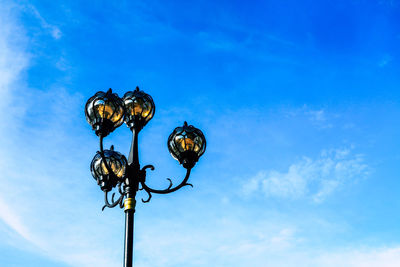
<point>110,171</point>
<point>113,203</point>
<point>170,188</point>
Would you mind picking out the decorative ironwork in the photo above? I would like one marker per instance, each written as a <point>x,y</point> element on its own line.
<point>105,112</point>
<point>113,202</point>
<point>186,144</point>
<point>140,108</point>
<point>108,167</point>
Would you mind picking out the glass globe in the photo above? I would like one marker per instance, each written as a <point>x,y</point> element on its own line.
<point>104,112</point>
<point>139,107</point>
<point>117,163</point>
<point>186,144</point>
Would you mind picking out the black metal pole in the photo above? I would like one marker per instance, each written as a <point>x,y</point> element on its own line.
<point>133,159</point>
<point>129,217</point>
<point>132,182</point>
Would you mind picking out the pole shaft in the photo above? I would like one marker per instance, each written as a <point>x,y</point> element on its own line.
<point>133,158</point>
<point>128,255</point>
<point>132,183</point>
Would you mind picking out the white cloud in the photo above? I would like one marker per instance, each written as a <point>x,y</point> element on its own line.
<point>317,115</point>
<point>315,179</point>
<point>43,199</point>
<point>243,242</point>
<point>225,242</point>
<point>52,29</point>
<point>371,257</point>
<point>13,57</point>
<point>12,219</point>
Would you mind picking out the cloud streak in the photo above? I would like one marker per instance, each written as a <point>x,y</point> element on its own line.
<point>37,181</point>
<point>52,29</point>
<point>310,178</point>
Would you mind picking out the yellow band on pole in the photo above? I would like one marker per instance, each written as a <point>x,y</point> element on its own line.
<point>129,204</point>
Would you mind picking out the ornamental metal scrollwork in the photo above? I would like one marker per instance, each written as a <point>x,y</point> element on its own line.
<point>106,112</point>
<point>114,173</point>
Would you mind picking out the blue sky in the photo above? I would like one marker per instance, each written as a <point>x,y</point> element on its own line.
<point>299,102</point>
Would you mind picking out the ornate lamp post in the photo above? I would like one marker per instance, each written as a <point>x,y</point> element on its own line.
<point>105,112</point>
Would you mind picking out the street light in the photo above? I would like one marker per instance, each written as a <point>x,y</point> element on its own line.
<point>105,112</point>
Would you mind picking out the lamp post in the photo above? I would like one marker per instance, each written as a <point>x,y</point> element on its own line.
<point>105,112</point>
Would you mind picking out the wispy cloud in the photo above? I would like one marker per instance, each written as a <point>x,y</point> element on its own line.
<point>318,117</point>
<point>251,45</point>
<point>53,30</point>
<point>367,257</point>
<point>32,192</point>
<point>225,242</point>
<point>247,242</point>
<point>385,60</point>
<point>13,55</point>
<point>310,178</point>
<point>13,220</point>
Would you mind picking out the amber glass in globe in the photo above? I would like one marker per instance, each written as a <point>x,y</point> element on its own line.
<point>108,111</point>
<point>186,144</point>
<point>191,143</point>
<point>115,160</point>
<point>104,112</point>
<point>115,167</point>
<point>139,108</point>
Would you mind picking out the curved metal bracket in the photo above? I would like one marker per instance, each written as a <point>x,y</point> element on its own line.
<point>168,190</point>
<point>114,202</point>
<point>110,171</point>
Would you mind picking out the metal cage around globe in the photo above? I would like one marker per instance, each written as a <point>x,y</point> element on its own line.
<point>186,144</point>
<point>115,161</point>
<point>104,112</point>
<point>139,107</point>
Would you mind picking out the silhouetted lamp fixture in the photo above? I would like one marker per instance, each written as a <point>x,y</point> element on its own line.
<point>105,112</point>
<point>140,108</point>
<point>186,144</point>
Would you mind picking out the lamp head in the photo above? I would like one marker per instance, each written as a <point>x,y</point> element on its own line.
<point>140,109</point>
<point>104,112</point>
<point>186,144</point>
<point>117,163</point>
